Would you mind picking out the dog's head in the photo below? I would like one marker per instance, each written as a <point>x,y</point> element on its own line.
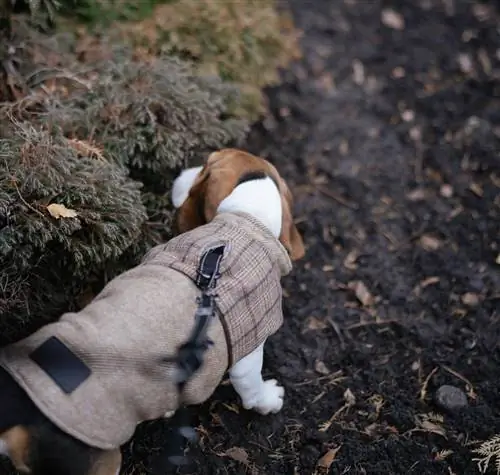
<point>209,185</point>
<point>36,446</point>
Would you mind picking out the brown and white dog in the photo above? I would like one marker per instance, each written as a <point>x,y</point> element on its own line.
<point>48,428</point>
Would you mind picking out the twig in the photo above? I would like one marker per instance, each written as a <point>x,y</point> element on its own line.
<point>423,389</point>
<point>25,202</point>
<point>471,392</point>
<point>337,330</point>
<point>334,196</point>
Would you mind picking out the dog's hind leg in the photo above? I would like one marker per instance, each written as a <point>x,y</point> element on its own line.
<point>246,377</point>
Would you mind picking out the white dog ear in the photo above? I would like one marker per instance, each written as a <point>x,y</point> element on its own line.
<point>182,185</point>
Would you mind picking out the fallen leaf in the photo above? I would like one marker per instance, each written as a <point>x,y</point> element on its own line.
<point>393,19</point>
<point>429,281</point>
<point>430,243</point>
<point>326,460</point>
<point>349,397</point>
<point>314,323</point>
<point>470,299</point>
<point>362,293</point>
<point>358,72</point>
<point>60,211</point>
<point>418,194</point>
<point>321,368</point>
<point>465,62</point>
<point>430,423</point>
<point>238,454</point>
<point>350,260</point>
<point>398,72</point>
<point>476,189</point>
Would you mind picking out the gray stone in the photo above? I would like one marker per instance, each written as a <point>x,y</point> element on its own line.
<point>450,398</point>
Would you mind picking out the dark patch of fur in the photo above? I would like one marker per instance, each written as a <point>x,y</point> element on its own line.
<point>16,408</point>
<point>255,175</point>
<point>52,452</point>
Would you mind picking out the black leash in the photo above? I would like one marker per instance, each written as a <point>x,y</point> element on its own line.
<point>189,359</point>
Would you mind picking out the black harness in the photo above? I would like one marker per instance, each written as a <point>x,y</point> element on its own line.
<point>189,358</point>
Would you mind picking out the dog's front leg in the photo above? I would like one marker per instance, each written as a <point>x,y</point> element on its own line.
<point>257,394</point>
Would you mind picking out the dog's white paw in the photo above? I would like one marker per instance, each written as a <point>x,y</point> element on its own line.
<point>268,400</point>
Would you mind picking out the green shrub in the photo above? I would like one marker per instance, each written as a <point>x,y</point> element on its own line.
<point>243,42</point>
<point>103,138</point>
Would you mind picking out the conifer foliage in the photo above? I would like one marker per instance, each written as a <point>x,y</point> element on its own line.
<point>88,151</point>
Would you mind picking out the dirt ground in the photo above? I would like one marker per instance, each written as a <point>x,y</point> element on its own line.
<point>389,134</point>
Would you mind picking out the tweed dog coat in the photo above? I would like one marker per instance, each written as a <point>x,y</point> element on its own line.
<point>142,316</point>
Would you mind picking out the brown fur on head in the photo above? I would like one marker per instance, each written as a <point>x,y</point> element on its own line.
<point>223,171</point>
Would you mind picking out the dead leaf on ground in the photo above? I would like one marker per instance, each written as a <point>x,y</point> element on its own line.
<point>358,72</point>
<point>476,189</point>
<point>470,299</point>
<point>362,293</point>
<point>313,323</point>
<point>350,260</point>
<point>326,460</point>
<point>238,454</point>
<point>60,211</point>
<point>429,242</point>
<point>349,397</point>
<point>393,19</point>
<point>425,283</point>
<point>430,423</point>
<point>418,194</point>
<point>321,368</point>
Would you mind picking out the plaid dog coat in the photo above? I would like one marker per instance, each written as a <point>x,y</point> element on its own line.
<point>97,373</point>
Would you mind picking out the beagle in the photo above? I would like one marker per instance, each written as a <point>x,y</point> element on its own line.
<point>73,392</point>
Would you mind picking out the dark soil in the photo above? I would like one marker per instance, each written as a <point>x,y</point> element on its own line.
<point>390,139</point>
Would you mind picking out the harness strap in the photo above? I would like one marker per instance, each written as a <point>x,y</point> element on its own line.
<point>189,357</point>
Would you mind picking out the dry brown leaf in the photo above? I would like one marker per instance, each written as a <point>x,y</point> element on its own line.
<point>470,299</point>
<point>86,149</point>
<point>238,454</point>
<point>476,189</point>
<point>429,281</point>
<point>326,460</point>
<point>350,260</point>
<point>358,72</point>
<point>60,211</point>
<point>314,323</point>
<point>430,243</point>
<point>362,293</point>
<point>349,397</point>
<point>430,423</point>
<point>393,19</point>
<point>418,194</point>
<point>321,368</point>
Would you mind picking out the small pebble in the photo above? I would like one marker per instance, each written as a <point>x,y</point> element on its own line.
<point>450,398</point>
